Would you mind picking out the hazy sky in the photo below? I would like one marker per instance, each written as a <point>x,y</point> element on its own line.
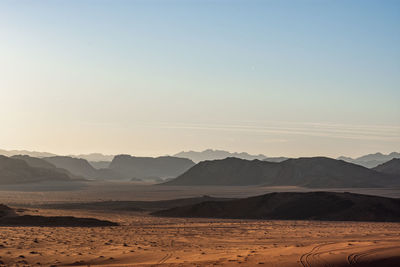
<point>293,78</point>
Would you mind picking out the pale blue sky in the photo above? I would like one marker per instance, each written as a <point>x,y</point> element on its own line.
<point>293,78</point>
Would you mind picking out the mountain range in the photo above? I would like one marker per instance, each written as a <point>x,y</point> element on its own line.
<point>210,154</point>
<point>100,161</point>
<point>35,154</point>
<point>316,172</point>
<point>122,167</point>
<point>371,160</point>
<point>308,172</point>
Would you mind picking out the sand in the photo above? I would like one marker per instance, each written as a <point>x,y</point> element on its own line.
<point>143,240</point>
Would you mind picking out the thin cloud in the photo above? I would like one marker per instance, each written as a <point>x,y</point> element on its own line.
<point>339,131</point>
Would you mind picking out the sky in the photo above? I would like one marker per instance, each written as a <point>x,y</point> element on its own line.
<point>281,78</point>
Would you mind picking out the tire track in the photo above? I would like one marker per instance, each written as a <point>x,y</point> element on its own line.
<point>165,258</point>
<point>305,258</point>
<point>354,258</point>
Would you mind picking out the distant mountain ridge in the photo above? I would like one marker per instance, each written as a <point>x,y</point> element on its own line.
<point>317,172</point>
<point>154,169</point>
<point>42,163</point>
<point>35,162</point>
<point>76,166</point>
<point>35,154</point>
<point>94,157</point>
<point>210,154</point>
<point>296,206</point>
<point>99,160</point>
<point>371,160</point>
<point>17,171</point>
<point>123,167</point>
<point>147,167</point>
<point>276,159</point>
<point>390,167</point>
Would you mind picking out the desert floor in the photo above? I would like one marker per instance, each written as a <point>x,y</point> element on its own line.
<point>143,240</point>
<point>100,191</point>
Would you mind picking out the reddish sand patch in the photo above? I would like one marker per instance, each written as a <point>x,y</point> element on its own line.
<point>151,241</point>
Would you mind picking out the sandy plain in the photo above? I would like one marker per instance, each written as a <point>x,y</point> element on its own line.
<point>103,191</point>
<point>143,240</point>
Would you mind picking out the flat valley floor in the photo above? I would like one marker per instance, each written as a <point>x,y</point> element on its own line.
<point>143,240</point>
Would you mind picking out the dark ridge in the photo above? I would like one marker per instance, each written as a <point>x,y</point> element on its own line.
<point>324,206</point>
<point>59,221</point>
<point>390,167</point>
<point>316,172</point>
<point>6,211</point>
<point>8,217</point>
<point>132,205</point>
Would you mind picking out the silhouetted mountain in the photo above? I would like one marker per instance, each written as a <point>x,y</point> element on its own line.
<point>146,167</point>
<point>347,159</point>
<point>124,167</point>
<point>35,154</point>
<point>75,166</point>
<point>100,164</point>
<point>317,172</point>
<point>94,157</point>
<point>371,160</point>
<point>16,171</point>
<point>35,162</point>
<point>276,159</point>
<point>211,154</point>
<point>390,167</point>
<point>41,163</point>
<point>296,206</point>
